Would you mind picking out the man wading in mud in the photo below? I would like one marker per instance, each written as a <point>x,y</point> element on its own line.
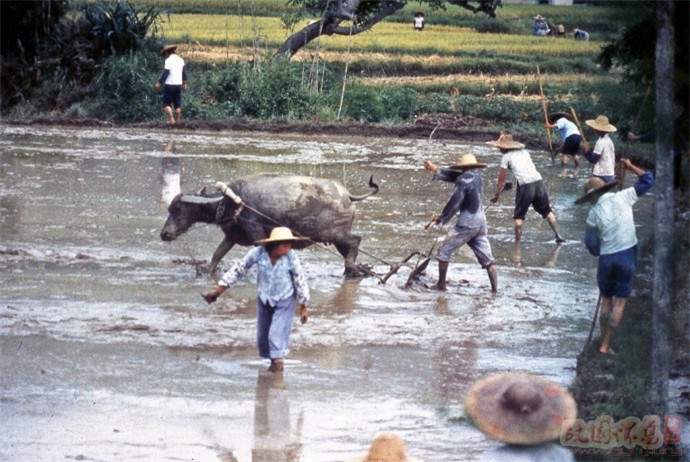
<point>611,236</point>
<point>470,228</point>
<point>173,80</point>
<point>281,284</point>
<point>531,189</point>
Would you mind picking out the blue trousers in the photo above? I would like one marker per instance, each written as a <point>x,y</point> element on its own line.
<point>273,326</point>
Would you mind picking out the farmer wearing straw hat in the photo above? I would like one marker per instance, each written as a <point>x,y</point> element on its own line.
<point>524,411</point>
<point>603,156</point>
<point>540,27</point>
<point>470,229</point>
<point>281,284</point>
<point>173,80</point>
<point>531,189</point>
<point>570,135</point>
<point>611,235</point>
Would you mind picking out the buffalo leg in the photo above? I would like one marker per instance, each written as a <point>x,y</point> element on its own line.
<point>223,248</point>
<point>349,248</point>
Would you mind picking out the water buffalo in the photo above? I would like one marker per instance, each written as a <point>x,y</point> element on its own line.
<point>318,208</point>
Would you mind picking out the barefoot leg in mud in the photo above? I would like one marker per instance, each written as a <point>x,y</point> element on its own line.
<point>277,365</point>
<point>613,321</point>
<point>493,277</point>
<point>551,219</point>
<point>442,272</point>
<point>518,230</point>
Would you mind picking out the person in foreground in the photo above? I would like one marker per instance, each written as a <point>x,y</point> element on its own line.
<point>281,284</point>
<point>531,189</point>
<point>610,234</point>
<point>470,229</point>
<point>524,411</point>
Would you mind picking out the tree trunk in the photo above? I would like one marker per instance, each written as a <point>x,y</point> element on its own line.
<point>302,37</point>
<point>664,206</point>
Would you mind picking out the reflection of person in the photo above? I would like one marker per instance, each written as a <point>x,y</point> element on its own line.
<point>273,438</point>
<point>523,411</point>
<point>611,235</point>
<point>531,189</point>
<point>603,155</point>
<point>173,80</point>
<point>550,261</point>
<point>170,175</point>
<point>570,136</point>
<point>281,283</point>
<point>470,229</point>
<point>386,447</point>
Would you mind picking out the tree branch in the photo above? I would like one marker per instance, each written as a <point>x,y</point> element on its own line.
<point>387,10</point>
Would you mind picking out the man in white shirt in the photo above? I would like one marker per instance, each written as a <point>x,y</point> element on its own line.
<point>173,80</point>
<point>531,189</point>
<point>603,156</point>
<point>611,235</point>
<point>570,135</point>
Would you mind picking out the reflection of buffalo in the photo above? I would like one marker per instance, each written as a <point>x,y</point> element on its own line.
<point>317,208</point>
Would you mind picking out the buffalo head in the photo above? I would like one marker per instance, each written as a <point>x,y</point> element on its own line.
<point>187,209</point>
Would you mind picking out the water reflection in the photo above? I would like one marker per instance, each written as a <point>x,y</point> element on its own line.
<point>274,440</point>
<point>170,175</point>
<point>549,262</point>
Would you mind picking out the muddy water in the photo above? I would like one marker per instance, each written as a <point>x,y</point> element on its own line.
<point>109,353</point>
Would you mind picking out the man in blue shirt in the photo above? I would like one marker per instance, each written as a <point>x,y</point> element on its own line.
<point>470,229</point>
<point>611,236</point>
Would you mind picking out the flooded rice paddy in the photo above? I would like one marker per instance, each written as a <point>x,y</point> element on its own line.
<point>109,353</point>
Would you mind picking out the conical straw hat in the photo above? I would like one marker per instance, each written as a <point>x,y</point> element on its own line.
<point>467,161</point>
<point>601,123</point>
<point>519,408</point>
<point>505,141</point>
<point>596,187</point>
<point>280,234</point>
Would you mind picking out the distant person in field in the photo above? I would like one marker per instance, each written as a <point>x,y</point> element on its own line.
<point>560,30</point>
<point>418,21</point>
<point>540,27</point>
<point>570,137</point>
<point>603,155</point>
<point>173,80</point>
<point>531,189</point>
<point>580,34</point>
<point>611,236</point>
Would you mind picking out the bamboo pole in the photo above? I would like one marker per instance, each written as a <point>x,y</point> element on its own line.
<point>577,122</point>
<point>546,114</point>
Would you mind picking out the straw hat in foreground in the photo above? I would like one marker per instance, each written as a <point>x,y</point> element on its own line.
<point>519,408</point>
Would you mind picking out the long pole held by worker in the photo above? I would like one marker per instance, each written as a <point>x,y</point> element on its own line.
<point>577,122</point>
<point>546,114</point>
